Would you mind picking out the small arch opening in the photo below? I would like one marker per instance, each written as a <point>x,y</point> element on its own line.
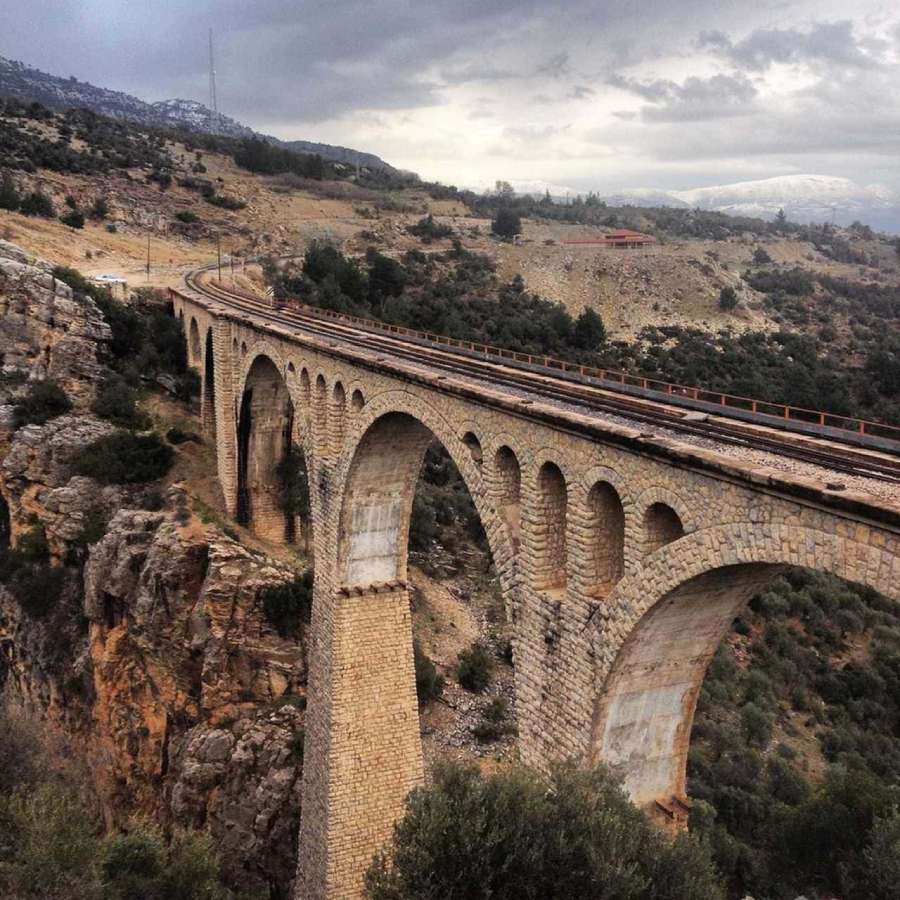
<point>357,401</point>
<point>320,413</point>
<point>336,416</point>
<point>471,441</point>
<point>508,484</point>
<point>243,348</point>
<point>194,342</point>
<point>549,524</point>
<point>606,538</point>
<point>208,406</point>
<point>291,369</point>
<point>662,525</point>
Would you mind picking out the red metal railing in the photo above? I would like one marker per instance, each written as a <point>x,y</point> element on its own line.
<point>716,398</point>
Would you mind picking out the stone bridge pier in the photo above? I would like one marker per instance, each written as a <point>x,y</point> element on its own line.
<point>622,558</point>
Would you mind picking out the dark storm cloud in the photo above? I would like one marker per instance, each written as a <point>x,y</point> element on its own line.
<point>695,99</point>
<point>833,43</point>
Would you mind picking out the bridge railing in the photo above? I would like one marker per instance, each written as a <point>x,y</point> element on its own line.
<point>727,402</point>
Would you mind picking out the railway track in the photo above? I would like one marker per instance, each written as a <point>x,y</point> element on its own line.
<point>883,465</point>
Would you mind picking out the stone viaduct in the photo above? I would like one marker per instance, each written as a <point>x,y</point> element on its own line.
<point>622,557</point>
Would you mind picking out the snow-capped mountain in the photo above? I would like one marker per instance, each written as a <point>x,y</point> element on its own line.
<point>25,83</point>
<point>804,198</point>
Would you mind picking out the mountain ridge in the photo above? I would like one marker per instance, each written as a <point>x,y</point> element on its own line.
<point>805,198</point>
<point>29,84</point>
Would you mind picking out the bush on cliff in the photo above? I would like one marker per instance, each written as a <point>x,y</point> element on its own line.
<point>288,606</point>
<point>125,458</point>
<point>476,667</point>
<point>429,682</point>
<point>45,400</point>
<point>515,834</point>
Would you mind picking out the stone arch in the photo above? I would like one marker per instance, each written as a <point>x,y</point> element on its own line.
<point>508,488</point>
<point>549,521</point>
<point>319,413</point>
<point>362,655</point>
<point>422,415</point>
<point>357,400</point>
<point>264,439</point>
<point>470,439</point>
<point>604,539</point>
<point>209,388</point>
<point>661,526</point>
<point>337,415</point>
<point>677,610</point>
<point>194,342</point>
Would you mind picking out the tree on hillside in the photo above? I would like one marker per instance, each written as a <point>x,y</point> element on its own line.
<point>590,332</point>
<point>514,834</point>
<point>507,223</point>
<point>9,196</point>
<point>727,298</point>
<point>780,220</point>
<point>37,204</point>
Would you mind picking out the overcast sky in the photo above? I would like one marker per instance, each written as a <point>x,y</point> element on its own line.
<point>585,95</point>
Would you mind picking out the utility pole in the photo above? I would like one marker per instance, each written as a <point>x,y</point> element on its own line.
<point>219,254</point>
<point>213,103</point>
<point>231,259</point>
<point>148,256</point>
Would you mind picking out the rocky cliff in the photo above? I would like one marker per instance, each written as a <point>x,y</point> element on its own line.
<point>147,647</point>
<point>45,332</point>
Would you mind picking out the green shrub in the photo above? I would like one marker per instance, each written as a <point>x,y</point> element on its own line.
<point>288,606</point>
<point>125,458</point>
<point>53,848</point>
<point>506,223</point>
<point>100,208</point>
<point>140,865</point>
<point>187,217</point>
<point>116,402</point>
<point>176,435</point>
<point>45,400</point>
<point>37,203</point>
<point>9,195</point>
<point>429,682</point>
<point>225,202</point>
<point>38,586</point>
<point>514,835</point>
<point>727,298</point>
<point>589,332</point>
<point>495,723</point>
<point>475,669</point>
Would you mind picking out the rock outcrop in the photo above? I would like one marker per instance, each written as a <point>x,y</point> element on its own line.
<point>198,700</point>
<point>156,659</point>
<point>46,332</point>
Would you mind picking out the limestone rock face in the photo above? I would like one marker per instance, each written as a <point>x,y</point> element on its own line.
<point>36,480</point>
<point>192,689</point>
<point>44,331</point>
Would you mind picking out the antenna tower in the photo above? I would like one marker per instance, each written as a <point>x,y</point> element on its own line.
<point>213,104</point>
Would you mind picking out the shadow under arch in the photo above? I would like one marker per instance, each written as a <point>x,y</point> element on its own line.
<point>209,388</point>
<point>679,608</point>
<point>264,440</point>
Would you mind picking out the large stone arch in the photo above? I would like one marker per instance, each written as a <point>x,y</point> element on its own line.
<point>449,435</point>
<point>264,436</point>
<point>362,730</point>
<point>671,617</point>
